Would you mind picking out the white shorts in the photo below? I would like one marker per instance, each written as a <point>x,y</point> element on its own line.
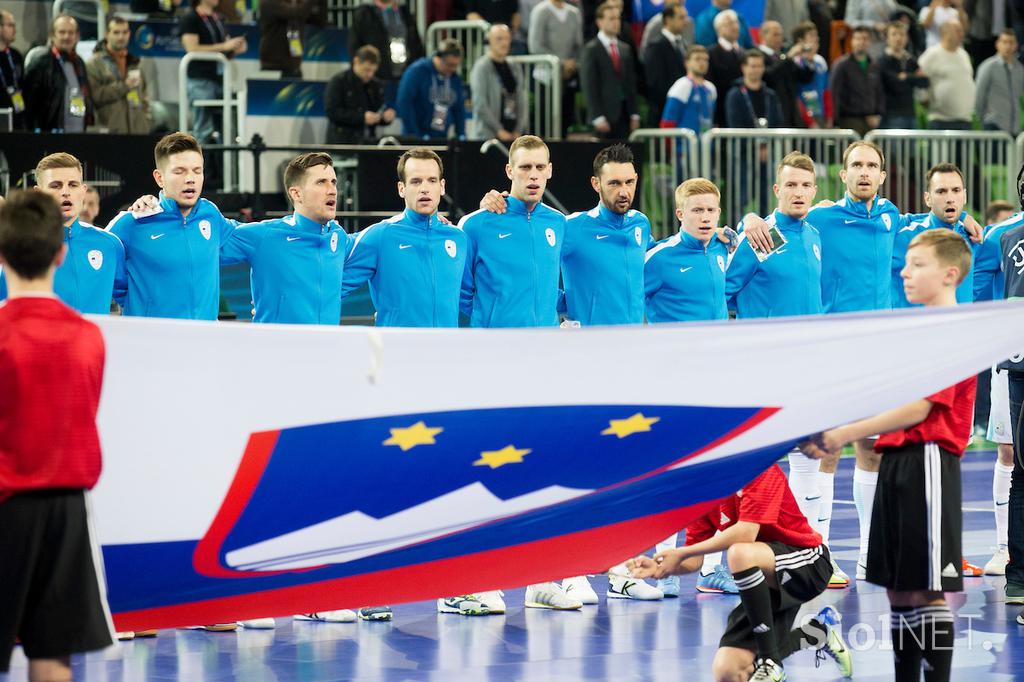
<point>999,430</point>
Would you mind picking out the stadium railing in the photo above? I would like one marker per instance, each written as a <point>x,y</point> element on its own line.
<point>671,155</point>
<point>743,161</point>
<point>228,103</point>
<point>987,159</point>
<point>545,94</point>
<point>339,12</point>
<point>472,35</point>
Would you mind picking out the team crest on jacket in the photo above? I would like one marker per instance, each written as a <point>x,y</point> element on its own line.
<point>95,259</point>
<point>721,263</point>
<point>334,242</point>
<point>638,235</point>
<point>550,234</point>
<point>887,221</point>
<point>450,248</point>
<point>817,251</point>
<point>204,229</point>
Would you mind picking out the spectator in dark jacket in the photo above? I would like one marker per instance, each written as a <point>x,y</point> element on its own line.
<point>282,24</point>
<point>56,84</point>
<point>752,104</point>
<point>725,57</point>
<point>12,70</point>
<point>665,59</point>
<point>392,30</point>
<point>355,101</point>
<point>857,96</point>
<point>900,75</point>
<point>431,96</point>
<point>783,72</point>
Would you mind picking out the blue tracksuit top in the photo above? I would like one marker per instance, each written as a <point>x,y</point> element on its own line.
<point>688,105</point>
<point>420,90</point>
<point>603,266</point>
<point>512,266</point>
<point>173,263</point>
<point>414,264</point>
<point>296,268</point>
<point>684,280</point>
<point>92,272</point>
<point>856,248</point>
<point>989,280</point>
<point>912,225</point>
<point>788,282</point>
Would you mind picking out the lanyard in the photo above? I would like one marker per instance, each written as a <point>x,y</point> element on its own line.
<point>214,24</point>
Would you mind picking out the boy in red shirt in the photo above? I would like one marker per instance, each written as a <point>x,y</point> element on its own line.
<point>914,547</point>
<point>779,564</point>
<point>52,594</point>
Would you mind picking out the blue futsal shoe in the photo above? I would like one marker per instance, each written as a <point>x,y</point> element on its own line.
<point>719,581</point>
<point>834,646</point>
<point>669,586</point>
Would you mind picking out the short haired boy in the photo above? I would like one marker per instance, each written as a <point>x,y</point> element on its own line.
<point>51,368</point>
<point>914,549</point>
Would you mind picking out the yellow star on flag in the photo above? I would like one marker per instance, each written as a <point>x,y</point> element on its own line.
<point>496,458</point>
<point>409,437</point>
<point>638,423</point>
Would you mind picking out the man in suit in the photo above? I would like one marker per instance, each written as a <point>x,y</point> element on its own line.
<point>665,59</point>
<point>608,78</point>
<point>725,57</point>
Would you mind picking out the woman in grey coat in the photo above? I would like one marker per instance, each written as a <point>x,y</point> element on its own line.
<point>500,102</point>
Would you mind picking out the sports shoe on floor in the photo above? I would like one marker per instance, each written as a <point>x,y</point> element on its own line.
<point>972,571</point>
<point>218,627</point>
<point>862,568</point>
<point>839,579</point>
<point>550,596</point>
<point>376,613</point>
<point>669,586</point>
<point>1020,618</point>
<point>834,646</point>
<point>258,624</point>
<point>145,633</point>
<point>464,605</point>
<point>579,588</point>
<point>339,616</point>
<point>624,587</point>
<point>767,670</point>
<point>1014,594</point>
<point>997,564</point>
<point>492,601</point>
<point>125,636</point>
<point>719,581</point>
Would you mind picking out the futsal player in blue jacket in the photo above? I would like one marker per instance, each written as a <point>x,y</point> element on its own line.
<point>92,272</point>
<point>413,261</point>
<point>172,254</point>
<point>989,279</point>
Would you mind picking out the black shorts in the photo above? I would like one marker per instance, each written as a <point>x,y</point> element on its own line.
<point>802,574</point>
<point>51,595</point>
<point>916,521</point>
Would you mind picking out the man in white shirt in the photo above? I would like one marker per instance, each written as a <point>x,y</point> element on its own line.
<point>949,70</point>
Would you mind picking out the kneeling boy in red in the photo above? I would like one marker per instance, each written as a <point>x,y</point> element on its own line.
<point>914,547</point>
<point>52,594</point>
<point>779,564</point>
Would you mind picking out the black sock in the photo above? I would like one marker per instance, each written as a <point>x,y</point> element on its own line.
<point>756,597</point>
<point>905,625</point>
<point>937,626</point>
<point>812,635</point>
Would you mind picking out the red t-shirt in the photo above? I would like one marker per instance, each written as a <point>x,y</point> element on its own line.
<point>948,424</point>
<point>51,371</point>
<point>768,501</point>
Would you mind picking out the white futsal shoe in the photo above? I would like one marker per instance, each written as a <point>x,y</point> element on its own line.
<point>258,624</point>
<point>579,588</point>
<point>550,596</point>
<point>625,587</point>
<point>492,601</point>
<point>339,616</point>
<point>997,564</point>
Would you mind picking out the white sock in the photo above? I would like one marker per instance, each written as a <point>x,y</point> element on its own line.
<point>667,543</point>
<point>803,481</point>
<point>710,561</point>
<point>864,484</point>
<point>1001,497</point>
<point>827,486</point>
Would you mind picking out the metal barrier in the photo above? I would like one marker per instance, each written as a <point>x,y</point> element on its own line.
<point>58,8</point>
<point>472,35</point>
<point>987,159</point>
<point>671,155</point>
<point>227,103</point>
<point>743,161</point>
<point>339,12</point>
<point>545,94</point>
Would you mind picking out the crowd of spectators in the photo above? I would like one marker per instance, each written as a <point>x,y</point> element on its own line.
<point>945,64</point>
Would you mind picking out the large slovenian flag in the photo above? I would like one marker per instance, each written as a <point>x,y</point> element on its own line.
<point>268,470</point>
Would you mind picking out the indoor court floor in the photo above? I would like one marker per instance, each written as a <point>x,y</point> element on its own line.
<point>672,640</point>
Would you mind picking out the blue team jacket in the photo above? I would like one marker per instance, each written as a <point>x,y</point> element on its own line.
<point>856,247</point>
<point>414,264</point>
<point>512,266</point>
<point>173,263</point>
<point>297,268</point>
<point>418,91</point>
<point>684,280</point>
<point>912,225</point>
<point>989,279</point>
<point>788,282</point>
<point>92,272</point>
<point>603,266</point>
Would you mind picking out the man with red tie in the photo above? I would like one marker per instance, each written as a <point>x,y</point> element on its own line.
<point>608,78</point>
